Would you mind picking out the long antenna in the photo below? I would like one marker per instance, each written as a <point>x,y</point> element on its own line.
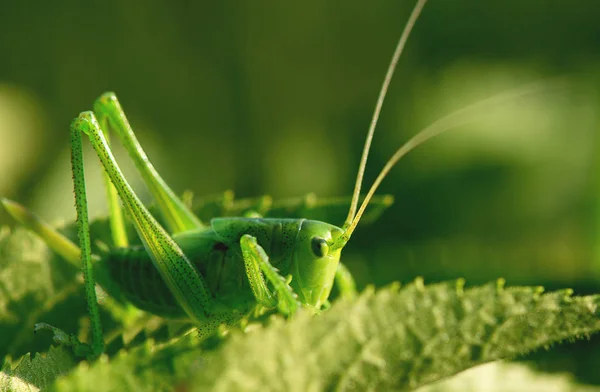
<point>452,120</point>
<point>386,83</point>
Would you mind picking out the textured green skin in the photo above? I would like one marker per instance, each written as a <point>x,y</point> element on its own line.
<point>215,252</point>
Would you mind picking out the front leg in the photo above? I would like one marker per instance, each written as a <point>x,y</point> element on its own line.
<point>345,282</point>
<point>257,265</point>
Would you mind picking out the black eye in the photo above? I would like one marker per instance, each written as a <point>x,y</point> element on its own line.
<point>319,247</point>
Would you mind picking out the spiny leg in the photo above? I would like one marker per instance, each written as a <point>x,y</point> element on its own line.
<point>257,261</point>
<point>345,282</point>
<point>186,284</point>
<point>116,219</point>
<point>97,347</point>
<point>257,281</point>
<point>177,215</point>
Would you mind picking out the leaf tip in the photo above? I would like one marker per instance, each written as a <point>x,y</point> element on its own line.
<point>419,283</point>
<point>538,291</point>
<point>395,286</point>
<point>388,200</point>
<point>568,294</point>
<point>310,200</point>
<point>460,286</point>
<point>500,283</point>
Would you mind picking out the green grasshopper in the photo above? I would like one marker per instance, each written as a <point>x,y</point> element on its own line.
<point>213,274</point>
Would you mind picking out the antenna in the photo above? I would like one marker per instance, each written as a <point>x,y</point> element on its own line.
<point>460,117</point>
<point>386,83</point>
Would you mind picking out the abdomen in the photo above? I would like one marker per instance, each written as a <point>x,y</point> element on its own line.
<point>133,271</point>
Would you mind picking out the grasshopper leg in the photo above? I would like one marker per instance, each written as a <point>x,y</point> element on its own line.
<point>345,282</point>
<point>116,218</point>
<point>182,278</point>
<point>256,262</point>
<point>97,346</point>
<point>177,215</point>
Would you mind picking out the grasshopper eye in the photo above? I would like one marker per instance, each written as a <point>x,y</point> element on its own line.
<point>319,247</point>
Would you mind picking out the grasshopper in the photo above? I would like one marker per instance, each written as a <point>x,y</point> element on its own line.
<point>214,274</point>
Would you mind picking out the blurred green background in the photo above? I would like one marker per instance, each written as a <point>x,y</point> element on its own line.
<point>275,98</point>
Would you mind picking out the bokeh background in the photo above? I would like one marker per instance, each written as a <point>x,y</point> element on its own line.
<point>275,98</point>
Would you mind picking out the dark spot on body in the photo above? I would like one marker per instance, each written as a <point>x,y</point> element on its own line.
<point>220,246</point>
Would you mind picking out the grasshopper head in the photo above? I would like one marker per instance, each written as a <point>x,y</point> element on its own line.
<point>314,263</point>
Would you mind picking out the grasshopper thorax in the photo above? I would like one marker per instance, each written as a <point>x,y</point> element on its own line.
<point>298,248</point>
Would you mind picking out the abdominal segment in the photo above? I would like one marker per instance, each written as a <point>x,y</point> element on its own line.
<point>133,271</point>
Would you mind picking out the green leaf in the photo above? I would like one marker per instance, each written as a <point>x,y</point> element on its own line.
<point>148,367</point>
<point>326,209</point>
<point>397,339</point>
<point>384,340</point>
<point>34,285</point>
<point>37,373</point>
